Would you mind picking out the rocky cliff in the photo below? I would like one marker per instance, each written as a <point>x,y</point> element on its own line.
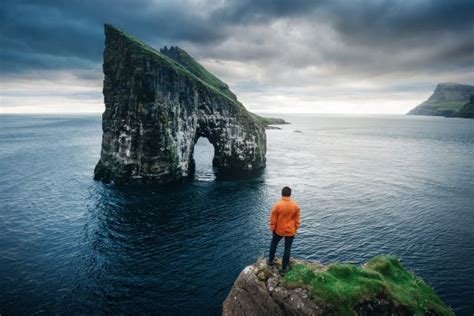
<point>157,105</point>
<point>467,111</point>
<point>446,100</point>
<point>379,287</point>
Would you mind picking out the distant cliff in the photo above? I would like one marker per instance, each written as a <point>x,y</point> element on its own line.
<point>380,287</point>
<point>467,111</point>
<point>446,100</point>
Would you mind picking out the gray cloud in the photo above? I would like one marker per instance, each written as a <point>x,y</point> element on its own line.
<point>258,46</point>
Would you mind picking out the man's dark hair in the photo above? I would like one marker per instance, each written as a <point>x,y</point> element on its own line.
<point>286,191</point>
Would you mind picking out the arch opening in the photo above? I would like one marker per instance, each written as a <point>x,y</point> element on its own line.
<point>202,160</point>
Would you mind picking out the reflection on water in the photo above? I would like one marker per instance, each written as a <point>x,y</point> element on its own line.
<point>366,185</point>
<point>168,250</point>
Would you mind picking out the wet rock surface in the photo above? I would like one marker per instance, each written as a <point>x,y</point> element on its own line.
<point>258,291</point>
<point>156,110</point>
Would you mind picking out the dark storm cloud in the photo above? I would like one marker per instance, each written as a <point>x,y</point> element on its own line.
<point>396,25</point>
<point>248,11</point>
<point>286,47</point>
<point>444,30</point>
<point>49,29</point>
<point>364,21</point>
<point>41,34</point>
<point>373,21</point>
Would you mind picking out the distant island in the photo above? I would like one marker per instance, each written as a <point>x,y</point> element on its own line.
<point>449,100</point>
<point>382,286</point>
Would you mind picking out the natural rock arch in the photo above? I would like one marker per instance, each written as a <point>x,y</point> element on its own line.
<point>203,154</point>
<point>157,105</point>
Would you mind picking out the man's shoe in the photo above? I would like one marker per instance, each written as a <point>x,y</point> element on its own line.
<point>283,271</point>
<point>270,263</point>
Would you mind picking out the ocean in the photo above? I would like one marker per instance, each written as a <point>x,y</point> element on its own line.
<point>367,185</point>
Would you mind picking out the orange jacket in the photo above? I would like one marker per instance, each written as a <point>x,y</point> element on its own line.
<point>285,217</point>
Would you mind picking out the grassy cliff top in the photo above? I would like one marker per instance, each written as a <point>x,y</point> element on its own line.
<point>173,64</point>
<point>185,60</point>
<point>181,62</point>
<point>343,286</point>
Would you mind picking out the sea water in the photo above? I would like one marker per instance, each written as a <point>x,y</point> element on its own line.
<point>366,185</point>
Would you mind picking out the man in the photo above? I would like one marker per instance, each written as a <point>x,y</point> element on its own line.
<point>284,222</point>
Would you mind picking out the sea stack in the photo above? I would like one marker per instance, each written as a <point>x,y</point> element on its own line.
<point>157,105</point>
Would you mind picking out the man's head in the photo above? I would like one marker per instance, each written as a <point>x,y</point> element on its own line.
<point>286,191</point>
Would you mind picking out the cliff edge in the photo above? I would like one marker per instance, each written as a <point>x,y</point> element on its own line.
<point>382,286</point>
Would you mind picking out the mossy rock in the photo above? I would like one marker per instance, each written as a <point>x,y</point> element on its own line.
<point>347,286</point>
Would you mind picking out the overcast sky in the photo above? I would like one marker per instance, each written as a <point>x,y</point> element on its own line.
<point>277,56</point>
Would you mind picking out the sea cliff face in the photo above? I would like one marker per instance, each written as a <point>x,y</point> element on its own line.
<point>379,287</point>
<point>467,111</point>
<point>446,100</point>
<point>156,109</point>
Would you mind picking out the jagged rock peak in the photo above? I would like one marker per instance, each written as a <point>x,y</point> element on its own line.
<point>157,108</point>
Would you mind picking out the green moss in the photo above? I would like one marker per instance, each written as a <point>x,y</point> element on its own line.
<point>343,286</point>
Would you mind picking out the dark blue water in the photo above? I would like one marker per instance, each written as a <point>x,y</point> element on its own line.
<point>366,185</point>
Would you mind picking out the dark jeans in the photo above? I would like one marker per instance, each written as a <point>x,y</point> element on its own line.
<point>273,246</point>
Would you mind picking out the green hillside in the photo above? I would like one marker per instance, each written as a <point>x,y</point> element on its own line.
<point>185,60</point>
<point>467,111</point>
<point>446,100</point>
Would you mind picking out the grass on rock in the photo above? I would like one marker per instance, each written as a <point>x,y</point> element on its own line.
<point>345,285</point>
<point>185,60</point>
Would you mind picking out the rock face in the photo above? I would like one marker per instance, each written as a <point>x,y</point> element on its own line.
<point>185,60</point>
<point>446,100</point>
<point>157,105</point>
<point>260,290</point>
<point>467,111</point>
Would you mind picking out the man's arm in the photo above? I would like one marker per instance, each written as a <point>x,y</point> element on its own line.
<point>273,218</point>
<point>297,219</point>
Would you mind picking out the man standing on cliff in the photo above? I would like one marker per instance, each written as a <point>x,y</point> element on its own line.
<point>284,222</point>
